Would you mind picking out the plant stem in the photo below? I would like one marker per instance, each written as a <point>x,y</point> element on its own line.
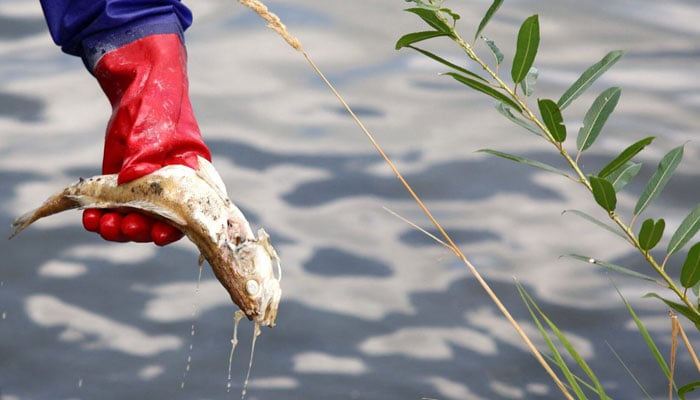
<point>573,163</point>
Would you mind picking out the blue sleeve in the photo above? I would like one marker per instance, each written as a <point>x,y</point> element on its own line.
<point>90,28</point>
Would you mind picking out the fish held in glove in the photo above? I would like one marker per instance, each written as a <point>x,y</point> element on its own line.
<point>194,201</point>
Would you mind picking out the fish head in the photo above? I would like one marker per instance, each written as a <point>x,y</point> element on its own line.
<point>257,290</point>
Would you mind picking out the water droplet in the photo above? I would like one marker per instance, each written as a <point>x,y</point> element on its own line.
<point>591,260</point>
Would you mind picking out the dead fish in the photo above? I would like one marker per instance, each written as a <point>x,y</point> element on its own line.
<point>196,202</point>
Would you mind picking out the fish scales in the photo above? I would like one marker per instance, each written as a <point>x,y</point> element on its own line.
<point>196,203</point>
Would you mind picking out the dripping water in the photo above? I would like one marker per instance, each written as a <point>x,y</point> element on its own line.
<point>195,308</point>
<point>237,316</point>
<point>256,333</point>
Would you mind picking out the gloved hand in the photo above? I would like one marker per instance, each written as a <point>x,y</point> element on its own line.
<point>152,125</point>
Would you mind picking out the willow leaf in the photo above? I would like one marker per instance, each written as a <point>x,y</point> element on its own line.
<point>596,221</point>
<point>596,116</point>
<point>528,84</point>
<point>650,233</point>
<point>625,156</point>
<point>611,267</point>
<point>497,54</point>
<point>658,181</point>
<point>431,18</point>
<point>487,17</point>
<point>603,193</point>
<point>484,88</point>
<point>445,62</point>
<point>551,116</point>
<point>506,112</point>
<point>681,308</point>
<point>687,229</point>
<point>416,37</point>
<point>526,161</point>
<point>690,273</point>
<point>622,176</point>
<point>526,49</point>
<point>588,77</point>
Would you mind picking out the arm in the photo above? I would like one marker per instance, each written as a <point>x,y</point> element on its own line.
<point>135,50</point>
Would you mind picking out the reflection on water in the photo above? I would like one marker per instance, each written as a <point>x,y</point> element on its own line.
<point>372,308</point>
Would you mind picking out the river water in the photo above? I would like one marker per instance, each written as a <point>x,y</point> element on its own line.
<point>372,308</point>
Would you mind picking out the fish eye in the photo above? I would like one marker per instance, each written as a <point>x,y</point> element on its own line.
<point>252,287</point>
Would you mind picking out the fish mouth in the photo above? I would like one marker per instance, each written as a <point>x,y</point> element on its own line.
<point>256,289</point>
<point>270,304</point>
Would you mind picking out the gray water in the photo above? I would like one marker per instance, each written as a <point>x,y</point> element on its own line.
<point>372,309</point>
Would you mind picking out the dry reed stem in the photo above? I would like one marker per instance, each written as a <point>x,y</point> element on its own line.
<point>273,20</point>
<point>674,347</point>
<point>275,24</point>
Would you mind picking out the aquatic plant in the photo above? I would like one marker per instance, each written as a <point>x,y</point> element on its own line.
<point>545,119</point>
<point>514,98</point>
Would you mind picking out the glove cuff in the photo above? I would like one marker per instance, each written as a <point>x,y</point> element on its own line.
<point>152,123</point>
<point>96,46</point>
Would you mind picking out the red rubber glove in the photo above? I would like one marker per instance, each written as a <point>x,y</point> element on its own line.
<point>152,125</point>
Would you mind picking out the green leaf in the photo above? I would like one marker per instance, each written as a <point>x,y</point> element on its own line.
<point>598,222</point>
<point>430,16</point>
<point>687,388</point>
<point>622,176</point>
<point>629,372</point>
<point>445,62</point>
<point>494,50</point>
<point>526,50</point>
<point>487,17</point>
<point>596,117</point>
<point>451,13</point>
<point>681,308</point>
<point>588,77</point>
<point>416,37</point>
<point>528,84</point>
<point>650,233</point>
<point>551,116</point>
<point>506,111</point>
<point>603,193</point>
<point>625,156</point>
<point>611,267</point>
<point>521,160</point>
<point>484,88</point>
<point>690,273</point>
<point>647,338</point>
<point>558,359</point>
<point>687,229</point>
<point>658,181</point>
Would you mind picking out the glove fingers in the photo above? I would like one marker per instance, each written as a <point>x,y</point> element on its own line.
<point>163,233</point>
<point>110,227</point>
<point>137,227</point>
<point>124,227</point>
<point>91,219</point>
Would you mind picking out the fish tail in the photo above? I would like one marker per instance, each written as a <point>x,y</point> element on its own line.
<point>55,204</point>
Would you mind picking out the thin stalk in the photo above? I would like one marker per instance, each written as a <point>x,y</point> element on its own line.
<point>469,50</point>
<point>277,26</point>
<point>451,244</point>
<point>573,162</point>
<point>688,346</point>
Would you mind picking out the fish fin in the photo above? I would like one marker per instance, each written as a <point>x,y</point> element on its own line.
<point>91,202</point>
<point>151,208</point>
<point>211,176</point>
